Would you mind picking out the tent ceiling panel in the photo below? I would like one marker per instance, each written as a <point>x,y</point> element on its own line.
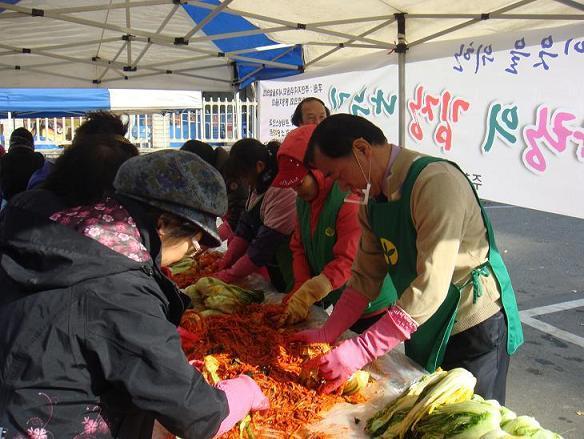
<point>99,43</point>
<point>328,11</point>
<point>214,44</point>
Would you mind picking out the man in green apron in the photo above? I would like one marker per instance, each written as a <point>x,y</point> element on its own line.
<point>325,239</point>
<point>423,224</point>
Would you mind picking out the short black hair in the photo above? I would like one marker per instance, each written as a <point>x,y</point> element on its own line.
<point>21,137</point>
<point>297,116</point>
<point>202,149</point>
<point>85,172</point>
<point>102,123</point>
<point>335,135</point>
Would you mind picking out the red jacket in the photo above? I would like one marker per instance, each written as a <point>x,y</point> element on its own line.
<point>338,271</point>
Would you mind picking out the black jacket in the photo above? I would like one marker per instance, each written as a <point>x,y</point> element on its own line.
<point>88,341</point>
<point>16,167</point>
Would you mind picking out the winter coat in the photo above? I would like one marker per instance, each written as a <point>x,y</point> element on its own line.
<point>88,340</point>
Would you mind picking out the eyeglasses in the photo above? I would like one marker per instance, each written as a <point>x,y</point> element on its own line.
<point>194,247</point>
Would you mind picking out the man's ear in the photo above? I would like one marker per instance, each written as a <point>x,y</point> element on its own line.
<point>363,147</point>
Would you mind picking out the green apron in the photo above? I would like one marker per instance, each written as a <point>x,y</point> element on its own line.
<point>392,223</point>
<point>280,269</point>
<point>318,246</point>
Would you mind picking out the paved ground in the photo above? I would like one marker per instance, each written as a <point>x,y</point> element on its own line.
<point>545,257</point>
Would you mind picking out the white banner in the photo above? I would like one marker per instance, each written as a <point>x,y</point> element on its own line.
<point>136,100</point>
<point>507,108</point>
<point>372,94</point>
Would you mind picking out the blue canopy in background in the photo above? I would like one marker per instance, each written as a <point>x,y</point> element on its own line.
<point>52,102</point>
<point>58,102</point>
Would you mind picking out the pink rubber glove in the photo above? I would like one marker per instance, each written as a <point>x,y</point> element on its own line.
<point>225,231</point>
<point>351,355</point>
<point>235,250</point>
<point>242,268</point>
<point>345,313</point>
<point>243,395</point>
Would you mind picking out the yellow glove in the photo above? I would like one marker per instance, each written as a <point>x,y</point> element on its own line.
<point>303,298</point>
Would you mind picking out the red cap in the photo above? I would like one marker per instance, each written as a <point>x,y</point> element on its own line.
<point>291,169</point>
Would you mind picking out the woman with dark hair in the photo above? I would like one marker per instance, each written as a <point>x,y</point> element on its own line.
<point>88,338</point>
<point>237,191</point>
<point>102,122</point>
<point>310,111</point>
<point>423,224</point>
<point>263,232</point>
<point>85,172</point>
<point>97,123</point>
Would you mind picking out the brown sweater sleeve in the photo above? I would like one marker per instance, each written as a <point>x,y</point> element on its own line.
<point>439,201</point>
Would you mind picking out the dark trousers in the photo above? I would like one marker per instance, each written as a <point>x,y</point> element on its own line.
<point>277,278</point>
<point>482,350</point>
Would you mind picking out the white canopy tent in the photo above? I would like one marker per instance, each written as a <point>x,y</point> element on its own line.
<point>226,45</point>
<point>218,45</point>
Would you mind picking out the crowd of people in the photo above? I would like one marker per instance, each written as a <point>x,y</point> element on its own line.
<point>395,242</point>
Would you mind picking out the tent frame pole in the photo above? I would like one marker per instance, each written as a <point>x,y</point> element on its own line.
<point>160,28</point>
<point>114,60</point>
<point>43,72</point>
<point>572,3</point>
<point>182,61</point>
<point>401,50</point>
<point>260,68</point>
<point>79,44</point>
<point>351,40</point>
<point>476,19</point>
<point>502,16</point>
<point>208,18</point>
<point>179,73</point>
<point>98,7</point>
<point>315,27</point>
<point>129,40</point>
<point>342,45</point>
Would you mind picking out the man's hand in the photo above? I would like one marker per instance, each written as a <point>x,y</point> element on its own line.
<point>351,355</point>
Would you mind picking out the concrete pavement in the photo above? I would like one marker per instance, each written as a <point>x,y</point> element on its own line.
<point>545,257</point>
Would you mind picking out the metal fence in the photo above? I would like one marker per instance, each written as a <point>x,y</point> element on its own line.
<point>219,122</point>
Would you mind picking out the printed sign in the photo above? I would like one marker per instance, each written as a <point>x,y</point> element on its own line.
<point>507,108</point>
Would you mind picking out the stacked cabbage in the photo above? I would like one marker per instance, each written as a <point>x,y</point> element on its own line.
<point>442,406</point>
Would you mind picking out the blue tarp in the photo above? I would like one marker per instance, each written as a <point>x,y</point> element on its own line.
<point>52,102</point>
<point>224,22</point>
